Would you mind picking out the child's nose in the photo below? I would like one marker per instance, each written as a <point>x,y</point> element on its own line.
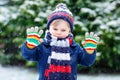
<point>58,32</point>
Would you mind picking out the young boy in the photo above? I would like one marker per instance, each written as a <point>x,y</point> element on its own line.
<point>58,54</point>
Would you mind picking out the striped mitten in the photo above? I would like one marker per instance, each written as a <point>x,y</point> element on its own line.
<point>33,37</point>
<point>90,43</point>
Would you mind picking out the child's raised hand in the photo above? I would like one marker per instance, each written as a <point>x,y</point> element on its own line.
<point>33,37</point>
<point>91,41</point>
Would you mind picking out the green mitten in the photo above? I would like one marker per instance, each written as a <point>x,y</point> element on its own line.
<point>33,37</point>
<point>91,41</point>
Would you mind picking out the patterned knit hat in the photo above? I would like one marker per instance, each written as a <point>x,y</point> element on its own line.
<point>61,12</point>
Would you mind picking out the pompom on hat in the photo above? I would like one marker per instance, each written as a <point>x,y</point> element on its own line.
<point>61,12</point>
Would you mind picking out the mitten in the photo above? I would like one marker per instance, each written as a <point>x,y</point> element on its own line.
<point>90,43</point>
<point>33,37</point>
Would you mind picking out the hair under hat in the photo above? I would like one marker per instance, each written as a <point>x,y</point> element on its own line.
<point>61,12</point>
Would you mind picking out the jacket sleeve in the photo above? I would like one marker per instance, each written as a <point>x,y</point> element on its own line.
<point>84,58</point>
<point>29,54</point>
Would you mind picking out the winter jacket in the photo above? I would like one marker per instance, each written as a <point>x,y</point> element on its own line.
<point>41,52</point>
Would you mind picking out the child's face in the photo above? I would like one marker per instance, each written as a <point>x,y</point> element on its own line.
<point>61,30</point>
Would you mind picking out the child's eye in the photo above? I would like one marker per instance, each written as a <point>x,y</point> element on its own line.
<point>63,30</point>
<point>55,28</point>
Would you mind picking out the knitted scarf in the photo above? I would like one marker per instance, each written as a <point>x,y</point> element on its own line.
<point>59,67</point>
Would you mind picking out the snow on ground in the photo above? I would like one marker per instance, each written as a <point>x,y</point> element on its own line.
<point>21,73</point>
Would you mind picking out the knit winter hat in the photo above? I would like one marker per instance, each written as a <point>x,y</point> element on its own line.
<point>61,12</point>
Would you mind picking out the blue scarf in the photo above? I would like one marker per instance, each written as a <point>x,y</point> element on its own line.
<point>59,61</point>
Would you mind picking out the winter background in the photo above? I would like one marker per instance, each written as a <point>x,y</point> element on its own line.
<point>100,16</point>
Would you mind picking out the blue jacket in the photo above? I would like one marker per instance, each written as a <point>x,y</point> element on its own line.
<point>42,51</point>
